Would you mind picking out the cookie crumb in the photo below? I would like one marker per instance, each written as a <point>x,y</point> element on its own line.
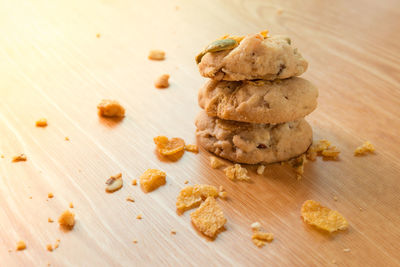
<point>19,158</point>
<point>279,11</point>
<point>365,148</point>
<point>66,138</point>
<point>208,218</point>
<point>191,196</point>
<point>57,244</point>
<point>223,195</point>
<point>322,147</point>
<point>98,35</point>
<point>134,182</point>
<point>156,55</point>
<point>216,162</point>
<point>152,179</point>
<point>134,241</point>
<point>49,247</point>
<point>260,169</point>
<point>139,217</point>
<point>221,188</point>
<point>162,81</point>
<point>236,172</point>
<point>50,220</point>
<point>114,183</point>
<point>67,219</point>
<point>130,199</point>
<point>261,238</point>
<point>173,232</point>
<point>346,250</point>
<point>41,122</point>
<point>186,182</point>
<point>71,205</point>
<point>21,245</point>
<point>110,108</point>
<point>50,195</point>
<point>192,148</point>
<point>335,198</point>
<point>322,217</point>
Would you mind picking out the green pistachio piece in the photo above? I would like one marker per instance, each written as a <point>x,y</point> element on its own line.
<point>216,46</point>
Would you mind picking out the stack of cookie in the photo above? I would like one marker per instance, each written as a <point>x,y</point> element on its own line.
<point>254,105</point>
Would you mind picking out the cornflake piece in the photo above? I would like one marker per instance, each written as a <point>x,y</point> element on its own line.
<point>331,152</point>
<point>66,138</point>
<point>49,247</point>
<point>151,179</point>
<point>261,238</point>
<point>364,148</point>
<point>139,217</point>
<point>41,122</point>
<point>21,245</point>
<point>50,195</point>
<point>216,162</point>
<point>57,244</point>
<point>208,218</point>
<point>298,165</point>
<point>260,169</point>
<point>192,148</point>
<point>322,217</point>
<point>98,35</point>
<point>322,147</point>
<point>134,182</point>
<point>162,81</point>
<point>191,196</point>
<point>236,172</point>
<point>255,226</point>
<point>156,55</point>
<point>168,147</point>
<point>67,219</point>
<point>114,183</point>
<point>50,220</point>
<point>19,158</point>
<point>110,108</point>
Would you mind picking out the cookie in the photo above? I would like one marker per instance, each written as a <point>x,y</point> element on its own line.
<point>259,101</point>
<point>253,143</point>
<point>255,57</point>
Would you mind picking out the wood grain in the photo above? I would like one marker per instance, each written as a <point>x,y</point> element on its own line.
<point>53,66</point>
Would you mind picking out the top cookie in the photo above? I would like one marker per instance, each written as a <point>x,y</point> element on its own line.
<point>256,57</point>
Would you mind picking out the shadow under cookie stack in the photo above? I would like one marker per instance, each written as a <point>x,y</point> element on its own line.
<point>254,105</point>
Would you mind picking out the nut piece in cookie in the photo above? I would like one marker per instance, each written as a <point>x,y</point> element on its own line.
<point>191,196</point>
<point>322,217</point>
<point>151,179</point>
<point>110,108</point>
<point>208,218</point>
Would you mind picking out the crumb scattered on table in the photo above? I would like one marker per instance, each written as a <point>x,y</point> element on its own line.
<point>110,108</point>
<point>130,199</point>
<point>298,165</point>
<point>169,147</point>
<point>192,148</point>
<point>134,182</point>
<point>114,183</point>
<point>173,232</point>
<point>19,158</point>
<point>255,226</point>
<point>346,250</point>
<point>365,148</point>
<point>151,179</point>
<point>162,81</point>
<point>50,220</point>
<point>134,241</point>
<point>156,55</point>
<point>50,195</point>
<point>71,205</point>
<point>216,162</point>
<point>236,173</point>
<point>66,138</point>
<point>49,247</point>
<point>260,169</point>
<point>261,238</point>
<point>21,245</point>
<point>41,122</point>
<point>67,219</point>
<point>223,195</point>
<point>322,147</point>
<point>98,35</point>
<point>139,217</point>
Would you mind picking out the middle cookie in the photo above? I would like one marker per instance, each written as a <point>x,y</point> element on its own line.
<point>259,101</point>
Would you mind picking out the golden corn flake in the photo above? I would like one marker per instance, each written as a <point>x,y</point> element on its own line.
<point>156,55</point>
<point>208,218</point>
<point>110,108</point>
<point>19,158</point>
<point>41,122</point>
<point>191,196</point>
<point>322,217</point>
<point>236,172</point>
<point>261,238</point>
<point>151,179</point>
<point>192,148</point>
<point>322,147</point>
<point>162,81</point>
<point>331,152</point>
<point>67,219</point>
<point>216,162</point>
<point>168,147</point>
<point>21,245</point>
<point>364,148</point>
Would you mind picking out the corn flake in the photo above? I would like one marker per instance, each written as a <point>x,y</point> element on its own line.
<point>322,217</point>
<point>216,162</point>
<point>364,148</point>
<point>192,148</point>
<point>168,147</point>
<point>110,108</point>
<point>151,179</point>
<point>261,238</point>
<point>191,196</point>
<point>236,172</point>
<point>208,218</point>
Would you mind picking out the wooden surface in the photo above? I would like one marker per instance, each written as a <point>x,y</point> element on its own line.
<point>53,66</point>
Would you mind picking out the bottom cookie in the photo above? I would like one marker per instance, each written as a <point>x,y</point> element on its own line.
<point>253,143</point>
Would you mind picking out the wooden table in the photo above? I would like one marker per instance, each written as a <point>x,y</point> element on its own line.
<point>53,65</point>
